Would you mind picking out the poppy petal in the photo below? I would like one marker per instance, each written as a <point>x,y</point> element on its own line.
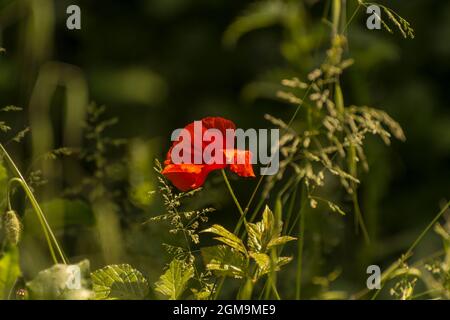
<point>240,162</point>
<point>189,176</point>
<point>185,176</point>
<point>219,123</point>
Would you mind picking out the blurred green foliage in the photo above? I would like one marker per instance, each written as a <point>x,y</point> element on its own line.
<point>160,64</point>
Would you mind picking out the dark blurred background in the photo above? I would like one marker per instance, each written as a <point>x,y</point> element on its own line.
<point>159,64</point>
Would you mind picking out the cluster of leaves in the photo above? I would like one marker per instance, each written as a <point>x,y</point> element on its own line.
<point>233,258</point>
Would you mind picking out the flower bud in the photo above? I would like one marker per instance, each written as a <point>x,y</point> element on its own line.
<point>12,227</point>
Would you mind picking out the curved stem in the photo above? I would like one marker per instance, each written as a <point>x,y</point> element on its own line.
<point>49,235</point>
<point>409,252</point>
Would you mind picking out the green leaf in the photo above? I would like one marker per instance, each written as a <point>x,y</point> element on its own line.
<point>283,261</point>
<point>225,261</point>
<point>9,272</point>
<point>173,282</point>
<point>280,241</point>
<point>119,282</point>
<point>260,233</point>
<point>227,237</point>
<point>264,263</point>
<point>62,282</point>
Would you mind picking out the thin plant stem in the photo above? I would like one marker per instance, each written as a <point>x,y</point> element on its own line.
<point>49,235</point>
<point>336,16</point>
<point>241,220</point>
<point>219,287</point>
<point>275,291</point>
<point>255,190</point>
<point>359,217</point>
<point>301,237</point>
<point>352,17</point>
<point>44,229</point>
<point>236,201</point>
<point>290,209</point>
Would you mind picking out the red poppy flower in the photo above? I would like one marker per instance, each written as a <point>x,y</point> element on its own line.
<point>192,175</point>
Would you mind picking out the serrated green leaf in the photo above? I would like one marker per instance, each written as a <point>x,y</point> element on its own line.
<point>227,237</point>
<point>260,233</point>
<point>9,271</point>
<point>268,220</point>
<point>283,261</point>
<point>254,232</point>
<point>173,282</point>
<point>280,241</point>
<point>119,282</point>
<point>225,261</point>
<point>264,263</point>
<point>62,282</point>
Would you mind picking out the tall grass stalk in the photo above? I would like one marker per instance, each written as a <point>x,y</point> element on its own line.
<point>300,242</point>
